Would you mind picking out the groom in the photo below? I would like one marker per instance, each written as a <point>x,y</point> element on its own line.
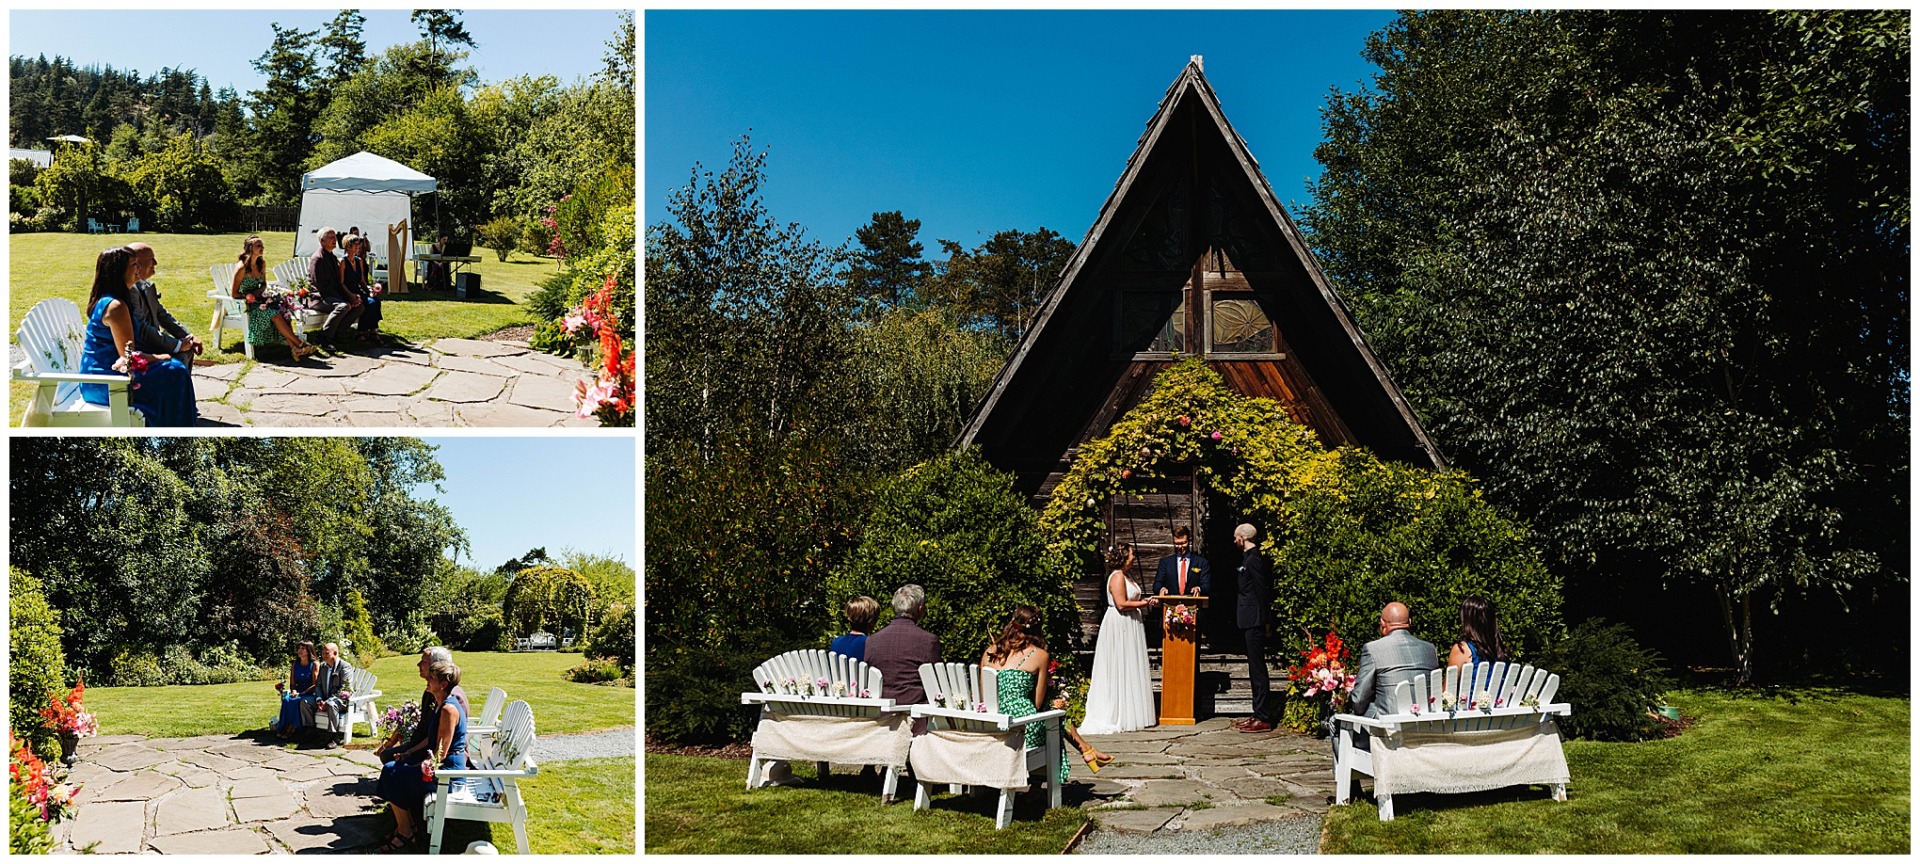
<point>1256,598</point>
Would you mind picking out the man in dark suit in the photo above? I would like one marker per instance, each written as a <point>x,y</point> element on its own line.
<point>1183,572</point>
<point>1251,614</point>
<point>342,306</point>
<point>900,647</point>
<point>1395,657</point>
<point>154,329</point>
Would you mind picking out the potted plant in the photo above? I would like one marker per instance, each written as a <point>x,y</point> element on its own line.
<point>69,718</point>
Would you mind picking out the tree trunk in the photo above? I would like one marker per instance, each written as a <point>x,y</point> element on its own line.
<point>1739,633</point>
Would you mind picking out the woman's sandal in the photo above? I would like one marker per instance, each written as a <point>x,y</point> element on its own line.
<point>398,842</point>
<point>1095,759</point>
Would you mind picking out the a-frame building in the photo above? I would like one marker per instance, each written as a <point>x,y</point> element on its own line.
<point>1191,254</point>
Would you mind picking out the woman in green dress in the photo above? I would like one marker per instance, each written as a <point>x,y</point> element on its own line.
<point>250,284</point>
<point>1020,657</point>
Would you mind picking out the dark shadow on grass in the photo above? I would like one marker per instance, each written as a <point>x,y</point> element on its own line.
<point>1409,803</point>
<point>481,297</point>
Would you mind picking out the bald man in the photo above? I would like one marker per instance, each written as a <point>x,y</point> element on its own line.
<point>1396,656</point>
<point>154,329</point>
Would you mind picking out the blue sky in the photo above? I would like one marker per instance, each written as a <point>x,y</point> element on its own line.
<point>974,121</point>
<point>222,44</point>
<point>513,494</point>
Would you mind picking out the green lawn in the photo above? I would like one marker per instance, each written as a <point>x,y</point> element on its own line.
<point>1807,771</point>
<point>559,705</point>
<point>573,808</point>
<point>61,265</point>
<point>698,804</point>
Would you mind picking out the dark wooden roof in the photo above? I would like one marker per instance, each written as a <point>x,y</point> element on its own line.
<point>1191,189</point>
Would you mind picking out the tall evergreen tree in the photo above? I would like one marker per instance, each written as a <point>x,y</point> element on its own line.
<point>441,27</point>
<point>888,269</point>
<point>343,47</point>
<point>282,133</point>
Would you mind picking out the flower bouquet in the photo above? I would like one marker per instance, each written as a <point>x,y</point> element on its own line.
<point>1323,674</point>
<point>399,718</point>
<point>67,716</point>
<point>1180,618</point>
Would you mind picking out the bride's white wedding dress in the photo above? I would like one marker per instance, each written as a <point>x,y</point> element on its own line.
<point>1120,695</point>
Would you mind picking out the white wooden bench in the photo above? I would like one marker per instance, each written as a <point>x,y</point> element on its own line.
<point>52,336</point>
<point>483,726</point>
<point>363,686</point>
<point>489,790</point>
<point>968,741</point>
<point>1461,729</point>
<point>821,707</point>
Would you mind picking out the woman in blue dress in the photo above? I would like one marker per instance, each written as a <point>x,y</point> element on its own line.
<point>163,392</point>
<point>404,786</point>
<point>1480,640</point>
<point>298,689</point>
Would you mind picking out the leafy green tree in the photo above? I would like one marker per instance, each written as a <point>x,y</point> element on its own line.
<point>281,135</point>
<point>80,183</point>
<point>913,379</point>
<point>1646,273</point>
<point>182,185</point>
<point>748,317</point>
<point>888,269</point>
<point>359,631</point>
<point>342,46</point>
<point>548,599</point>
<point>437,137</point>
<point>1000,283</point>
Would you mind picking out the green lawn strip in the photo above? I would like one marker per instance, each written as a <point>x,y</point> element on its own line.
<point>61,265</point>
<point>699,804</point>
<point>1810,771</point>
<point>559,706</point>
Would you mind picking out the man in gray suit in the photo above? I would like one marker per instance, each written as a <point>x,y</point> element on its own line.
<point>1395,657</point>
<point>332,678</point>
<point>154,329</point>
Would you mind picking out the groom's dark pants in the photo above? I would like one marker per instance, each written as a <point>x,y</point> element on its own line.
<point>1256,638</point>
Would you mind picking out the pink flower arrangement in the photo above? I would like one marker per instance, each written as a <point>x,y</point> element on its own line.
<point>1325,671</point>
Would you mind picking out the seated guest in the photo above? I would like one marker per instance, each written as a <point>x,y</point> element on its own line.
<point>1480,640</point>
<point>155,330</point>
<point>405,787</point>
<point>353,278</point>
<point>1020,656</point>
<point>437,278</point>
<point>899,648</point>
<point>342,308</point>
<point>415,747</point>
<point>330,679</point>
<point>163,392</point>
<point>296,693</point>
<point>1396,656</point>
<point>250,284</point>
<point>862,611</point>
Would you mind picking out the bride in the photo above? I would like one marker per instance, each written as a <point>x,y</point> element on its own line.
<point>1120,695</point>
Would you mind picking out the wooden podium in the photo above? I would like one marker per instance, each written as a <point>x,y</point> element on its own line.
<point>1179,660</point>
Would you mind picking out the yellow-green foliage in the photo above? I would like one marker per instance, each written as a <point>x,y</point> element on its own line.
<point>360,630</point>
<point>37,665</point>
<point>548,598</point>
<point>1345,531</point>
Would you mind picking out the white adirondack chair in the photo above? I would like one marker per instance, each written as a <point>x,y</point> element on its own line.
<point>483,726</point>
<point>228,311</point>
<point>1504,713</point>
<point>965,725</point>
<point>52,336</point>
<point>287,271</point>
<point>800,716</point>
<point>489,791</point>
<point>364,686</point>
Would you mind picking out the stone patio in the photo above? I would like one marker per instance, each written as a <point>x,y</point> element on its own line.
<point>1190,778</point>
<point>442,382</point>
<point>220,794</point>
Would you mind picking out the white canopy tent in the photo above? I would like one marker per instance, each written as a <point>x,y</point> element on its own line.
<point>370,191</point>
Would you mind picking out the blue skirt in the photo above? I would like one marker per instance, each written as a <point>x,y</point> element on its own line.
<point>400,783</point>
<point>290,713</point>
<point>163,393</point>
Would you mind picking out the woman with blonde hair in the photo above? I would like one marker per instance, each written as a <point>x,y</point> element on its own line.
<point>250,284</point>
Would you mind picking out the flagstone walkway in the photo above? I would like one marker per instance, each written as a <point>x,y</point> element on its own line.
<point>442,382</point>
<point>220,794</point>
<point>1169,780</point>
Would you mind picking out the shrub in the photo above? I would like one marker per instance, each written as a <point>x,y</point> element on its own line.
<point>38,665</point>
<point>535,236</point>
<point>956,526</point>
<point>695,687</point>
<point>1610,680</point>
<point>579,218</point>
<point>596,671</point>
<point>27,833</point>
<point>359,626</point>
<point>613,640</point>
<point>132,667</point>
<point>551,297</point>
<point>500,235</point>
<point>410,637</point>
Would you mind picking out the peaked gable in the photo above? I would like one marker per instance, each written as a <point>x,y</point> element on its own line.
<point>1191,223</point>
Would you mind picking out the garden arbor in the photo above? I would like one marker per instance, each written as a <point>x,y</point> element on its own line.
<point>1191,255</point>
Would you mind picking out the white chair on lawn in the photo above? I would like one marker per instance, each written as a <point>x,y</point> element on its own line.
<point>52,336</point>
<point>821,707</point>
<point>364,689</point>
<point>1461,729</point>
<point>968,741</point>
<point>489,791</point>
<point>228,311</point>
<point>483,726</point>
<point>289,270</point>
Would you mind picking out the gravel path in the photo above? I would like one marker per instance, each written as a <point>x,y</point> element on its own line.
<point>1300,836</point>
<point>586,745</point>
